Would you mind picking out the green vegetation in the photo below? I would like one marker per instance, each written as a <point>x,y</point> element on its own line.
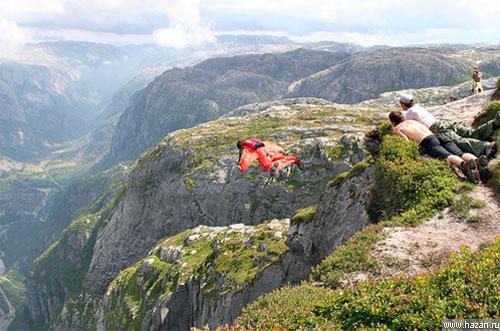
<point>304,215</point>
<point>61,269</point>
<point>463,205</point>
<point>350,258</point>
<point>410,189</point>
<point>467,287</point>
<point>81,309</point>
<point>355,171</point>
<point>218,260</point>
<point>488,114</point>
<point>151,154</point>
<point>12,284</point>
<point>289,308</point>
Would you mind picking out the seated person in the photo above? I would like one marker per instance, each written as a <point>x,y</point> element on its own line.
<point>472,140</point>
<point>432,146</point>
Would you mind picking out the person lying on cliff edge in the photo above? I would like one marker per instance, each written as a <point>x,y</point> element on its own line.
<point>468,139</point>
<point>432,146</point>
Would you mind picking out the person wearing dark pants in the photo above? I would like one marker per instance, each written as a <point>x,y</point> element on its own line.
<point>468,139</point>
<point>443,149</point>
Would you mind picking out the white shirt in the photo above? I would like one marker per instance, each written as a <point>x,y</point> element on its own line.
<point>420,114</point>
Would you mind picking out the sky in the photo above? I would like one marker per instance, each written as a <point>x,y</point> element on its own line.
<point>191,23</point>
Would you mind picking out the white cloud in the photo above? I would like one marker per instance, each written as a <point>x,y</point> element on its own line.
<point>186,23</point>
<point>11,38</point>
<point>186,29</point>
<point>29,9</point>
<point>86,35</point>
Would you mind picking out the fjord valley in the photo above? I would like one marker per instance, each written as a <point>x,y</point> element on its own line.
<point>122,206</point>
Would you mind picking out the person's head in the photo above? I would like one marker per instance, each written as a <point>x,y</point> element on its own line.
<point>240,144</point>
<point>396,117</point>
<point>406,101</point>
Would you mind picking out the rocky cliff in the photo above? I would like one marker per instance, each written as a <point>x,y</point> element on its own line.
<point>189,168</point>
<point>186,242</point>
<point>365,75</point>
<point>206,275</point>
<point>182,98</point>
<point>185,97</point>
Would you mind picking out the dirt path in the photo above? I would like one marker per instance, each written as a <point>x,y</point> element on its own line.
<point>427,246</point>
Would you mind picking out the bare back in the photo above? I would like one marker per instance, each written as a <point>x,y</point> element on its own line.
<point>413,130</point>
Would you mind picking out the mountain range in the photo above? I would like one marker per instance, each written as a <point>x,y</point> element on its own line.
<point>122,206</point>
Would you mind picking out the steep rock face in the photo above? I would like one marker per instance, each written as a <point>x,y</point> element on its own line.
<point>196,169</point>
<point>27,239</point>
<point>58,273</point>
<point>341,212</point>
<point>181,98</point>
<point>35,111</point>
<point>206,275</point>
<point>201,276</point>
<point>365,75</point>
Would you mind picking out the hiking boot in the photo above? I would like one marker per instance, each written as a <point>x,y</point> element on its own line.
<point>491,149</point>
<point>470,170</point>
<point>484,171</point>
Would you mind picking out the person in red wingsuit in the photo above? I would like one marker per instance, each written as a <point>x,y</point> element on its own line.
<point>270,155</point>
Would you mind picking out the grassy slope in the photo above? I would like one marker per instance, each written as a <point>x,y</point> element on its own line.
<point>408,191</point>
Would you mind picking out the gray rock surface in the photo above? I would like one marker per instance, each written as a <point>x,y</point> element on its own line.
<point>365,75</point>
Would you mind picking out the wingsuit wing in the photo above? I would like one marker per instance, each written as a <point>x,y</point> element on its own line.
<point>247,158</point>
<point>286,161</point>
<point>271,146</point>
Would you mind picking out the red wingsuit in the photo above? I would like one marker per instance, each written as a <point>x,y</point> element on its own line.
<point>268,153</point>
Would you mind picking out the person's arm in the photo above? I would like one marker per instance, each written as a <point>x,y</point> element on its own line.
<point>400,133</point>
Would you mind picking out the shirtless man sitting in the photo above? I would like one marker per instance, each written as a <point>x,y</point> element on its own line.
<point>418,132</point>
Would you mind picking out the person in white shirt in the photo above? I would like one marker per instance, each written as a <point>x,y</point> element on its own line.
<point>468,139</point>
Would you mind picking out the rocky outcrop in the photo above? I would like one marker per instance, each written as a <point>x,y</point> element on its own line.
<point>202,276</point>
<point>206,275</point>
<point>196,169</point>
<point>431,96</point>
<point>365,75</point>
<point>341,212</point>
<point>182,98</point>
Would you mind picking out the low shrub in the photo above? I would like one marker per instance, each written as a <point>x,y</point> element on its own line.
<point>409,189</point>
<point>467,287</point>
<point>349,258</point>
<point>289,308</point>
<point>488,114</point>
<point>304,215</point>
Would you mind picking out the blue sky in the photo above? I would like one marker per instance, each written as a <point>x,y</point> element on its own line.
<point>191,23</point>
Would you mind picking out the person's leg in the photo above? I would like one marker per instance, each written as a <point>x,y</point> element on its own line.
<point>469,167</point>
<point>455,160</point>
<point>470,145</point>
<point>468,156</point>
<point>482,132</point>
<point>465,161</point>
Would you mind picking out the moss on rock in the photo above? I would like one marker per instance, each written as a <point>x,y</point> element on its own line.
<point>220,260</point>
<point>304,215</point>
